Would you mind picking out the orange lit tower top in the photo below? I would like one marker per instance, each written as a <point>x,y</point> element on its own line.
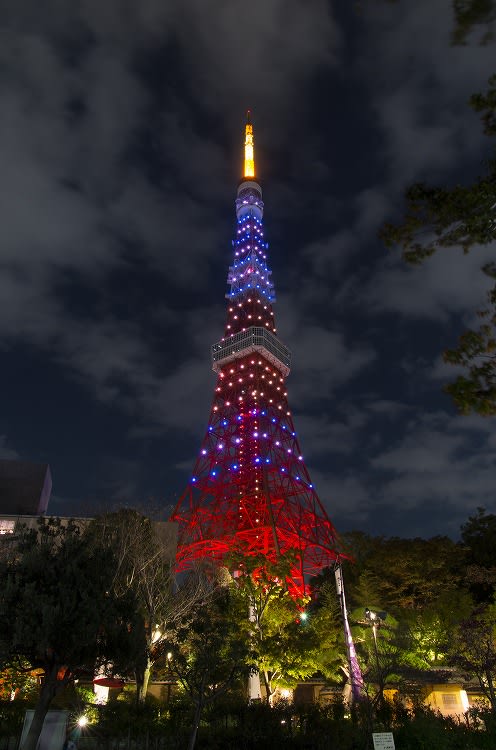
<point>249,170</point>
<point>250,489</point>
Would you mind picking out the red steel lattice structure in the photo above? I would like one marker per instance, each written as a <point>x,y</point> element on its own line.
<point>250,489</point>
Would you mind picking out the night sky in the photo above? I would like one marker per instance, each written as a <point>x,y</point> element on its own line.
<point>121,132</point>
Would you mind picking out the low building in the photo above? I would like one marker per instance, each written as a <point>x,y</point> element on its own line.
<point>25,490</point>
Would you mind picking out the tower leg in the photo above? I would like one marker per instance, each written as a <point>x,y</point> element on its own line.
<point>254,691</point>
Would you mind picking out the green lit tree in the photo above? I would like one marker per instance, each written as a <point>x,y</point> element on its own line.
<point>381,649</point>
<point>292,640</point>
<point>431,628</point>
<point>420,584</point>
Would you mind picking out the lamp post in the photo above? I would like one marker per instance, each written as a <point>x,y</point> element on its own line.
<point>375,619</point>
<point>169,670</point>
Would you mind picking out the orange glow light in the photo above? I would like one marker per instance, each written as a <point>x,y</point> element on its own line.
<point>249,155</point>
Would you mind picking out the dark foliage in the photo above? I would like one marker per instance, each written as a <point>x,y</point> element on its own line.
<point>441,218</point>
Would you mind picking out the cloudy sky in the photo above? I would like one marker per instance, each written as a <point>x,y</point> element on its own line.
<point>120,139</point>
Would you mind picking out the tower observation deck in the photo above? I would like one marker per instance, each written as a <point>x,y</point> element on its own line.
<point>250,490</point>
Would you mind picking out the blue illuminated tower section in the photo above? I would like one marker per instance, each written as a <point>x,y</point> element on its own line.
<point>250,489</point>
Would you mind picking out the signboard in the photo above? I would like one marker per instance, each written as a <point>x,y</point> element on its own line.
<point>383,740</point>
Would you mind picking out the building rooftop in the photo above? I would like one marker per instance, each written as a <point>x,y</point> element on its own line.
<point>25,488</point>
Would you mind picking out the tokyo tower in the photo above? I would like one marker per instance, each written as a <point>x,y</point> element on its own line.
<point>250,490</point>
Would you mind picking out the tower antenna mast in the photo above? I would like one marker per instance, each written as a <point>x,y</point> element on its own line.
<point>249,166</point>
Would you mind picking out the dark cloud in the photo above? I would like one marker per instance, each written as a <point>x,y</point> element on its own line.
<point>121,144</point>
<point>448,283</point>
<point>7,453</point>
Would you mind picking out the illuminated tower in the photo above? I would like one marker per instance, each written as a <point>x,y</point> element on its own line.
<point>250,489</point>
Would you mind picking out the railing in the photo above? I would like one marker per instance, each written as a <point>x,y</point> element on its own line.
<point>254,339</point>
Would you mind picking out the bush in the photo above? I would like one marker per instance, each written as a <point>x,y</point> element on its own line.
<point>12,717</point>
<point>232,724</point>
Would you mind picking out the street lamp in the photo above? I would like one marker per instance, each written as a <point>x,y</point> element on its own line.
<point>376,619</point>
<point>156,635</point>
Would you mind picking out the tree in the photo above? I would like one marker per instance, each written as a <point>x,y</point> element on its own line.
<point>403,574</point>
<point>145,558</point>
<point>56,614</point>
<point>478,535</point>
<point>382,648</point>
<point>431,629</point>
<point>475,649</point>
<point>462,216</point>
<point>420,584</point>
<point>210,652</point>
<point>17,680</point>
<point>472,14</point>
<point>476,353</point>
<point>260,585</point>
<point>292,640</point>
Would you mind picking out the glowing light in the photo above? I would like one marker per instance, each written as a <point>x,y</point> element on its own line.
<point>157,635</point>
<point>249,170</point>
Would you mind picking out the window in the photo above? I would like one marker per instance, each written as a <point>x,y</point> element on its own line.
<point>7,525</point>
<point>449,700</point>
